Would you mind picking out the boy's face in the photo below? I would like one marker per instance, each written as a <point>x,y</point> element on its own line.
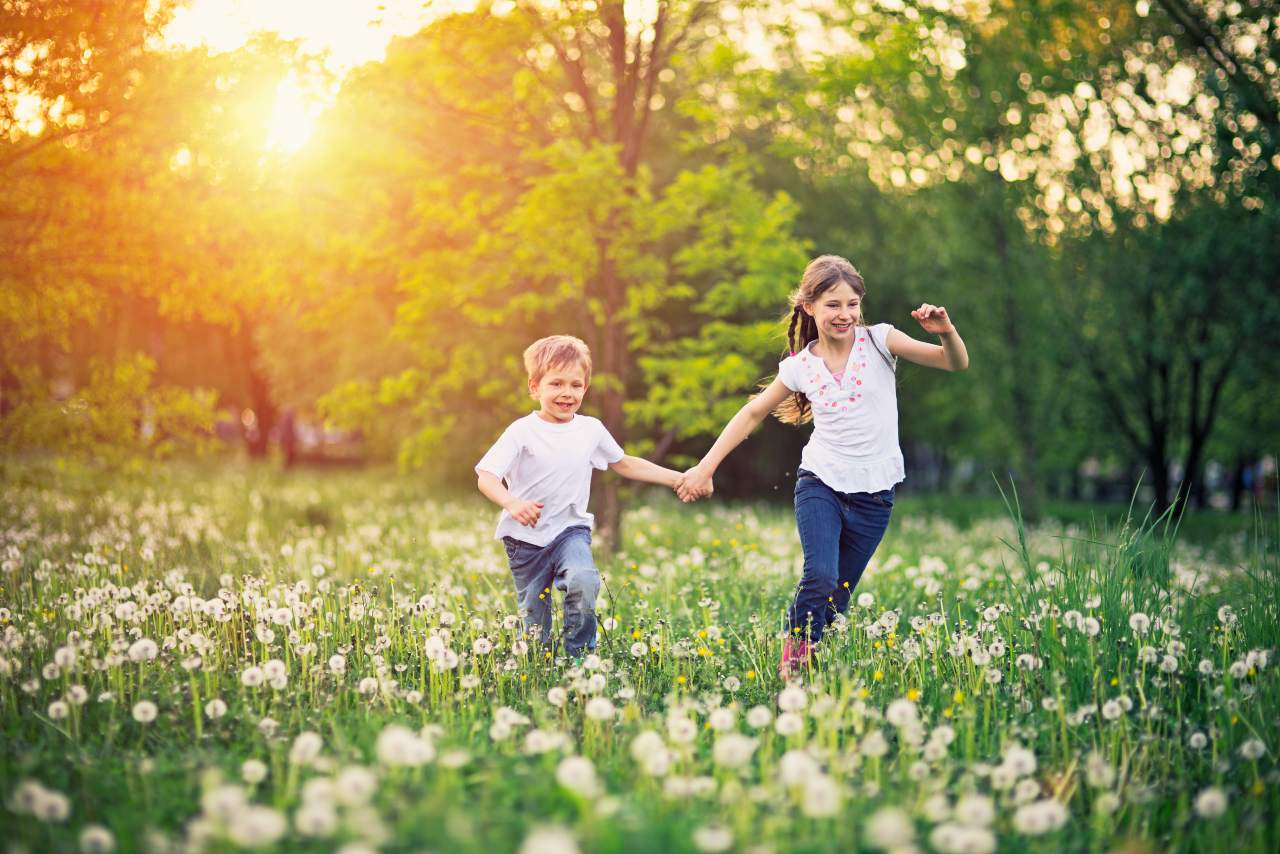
<point>560,392</point>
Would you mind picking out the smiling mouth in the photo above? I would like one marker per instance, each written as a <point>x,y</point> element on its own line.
<point>843,327</point>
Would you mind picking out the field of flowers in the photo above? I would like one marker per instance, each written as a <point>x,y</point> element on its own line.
<point>333,662</point>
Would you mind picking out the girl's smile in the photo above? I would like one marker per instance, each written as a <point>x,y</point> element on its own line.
<point>836,311</point>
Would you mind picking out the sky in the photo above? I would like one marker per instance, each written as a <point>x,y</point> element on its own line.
<point>352,32</point>
<point>348,32</point>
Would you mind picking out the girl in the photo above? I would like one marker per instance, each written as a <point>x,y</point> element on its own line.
<point>840,375</point>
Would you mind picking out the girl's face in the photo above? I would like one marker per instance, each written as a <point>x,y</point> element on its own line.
<point>559,393</point>
<point>837,311</point>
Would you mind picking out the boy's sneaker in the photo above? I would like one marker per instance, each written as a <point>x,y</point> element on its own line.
<point>797,654</point>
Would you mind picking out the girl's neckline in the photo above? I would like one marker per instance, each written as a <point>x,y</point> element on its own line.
<point>848,362</point>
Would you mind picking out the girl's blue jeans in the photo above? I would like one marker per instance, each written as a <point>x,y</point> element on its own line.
<point>564,564</point>
<point>839,531</point>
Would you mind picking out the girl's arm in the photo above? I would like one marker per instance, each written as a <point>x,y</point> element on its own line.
<point>637,468</point>
<point>524,512</point>
<point>697,480</point>
<point>950,356</point>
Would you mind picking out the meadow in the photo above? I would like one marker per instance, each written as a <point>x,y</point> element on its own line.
<point>210,660</point>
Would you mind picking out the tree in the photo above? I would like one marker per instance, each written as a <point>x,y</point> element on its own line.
<point>554,220</point>
<point>157,219</point>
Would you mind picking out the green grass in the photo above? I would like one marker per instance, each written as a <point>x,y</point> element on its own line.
<point>993,648</point>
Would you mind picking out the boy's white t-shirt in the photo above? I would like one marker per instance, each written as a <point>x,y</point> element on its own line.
<point>551,463</point>
<point>854,446</point>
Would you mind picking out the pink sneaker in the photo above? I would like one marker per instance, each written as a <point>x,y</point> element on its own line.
<point>796,654</point>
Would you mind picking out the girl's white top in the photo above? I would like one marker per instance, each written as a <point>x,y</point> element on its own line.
<point>551,463</point>
<point>854,446</point>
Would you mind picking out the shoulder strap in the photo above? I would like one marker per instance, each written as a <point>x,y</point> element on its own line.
<point>890,360</point>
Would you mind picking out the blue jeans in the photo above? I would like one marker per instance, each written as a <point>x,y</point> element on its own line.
<point>839,531</point>
<point>565,564</point>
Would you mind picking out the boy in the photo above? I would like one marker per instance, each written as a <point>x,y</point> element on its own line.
<point>546,458</point>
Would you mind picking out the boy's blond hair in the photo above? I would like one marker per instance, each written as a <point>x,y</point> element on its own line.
<point>556,351</point>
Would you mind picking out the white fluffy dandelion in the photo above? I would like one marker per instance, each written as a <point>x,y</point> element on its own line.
<point>733,750</point>
<point>549,840</point>
<point>713,838</point>
<point>96,839</point>
<point>306,748</point>
<point>253,771</point>
<point>1253,749</point>
<point>789,724</point>
<point>600,709</point>
<point>1211,803</point>
<point>577,774</point>
<point>143,649</point>
<point>1040,817</point>
<point>821,798</point>
<point>889,828</point>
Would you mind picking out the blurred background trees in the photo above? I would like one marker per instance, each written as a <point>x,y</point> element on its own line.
<point>1090,187</point>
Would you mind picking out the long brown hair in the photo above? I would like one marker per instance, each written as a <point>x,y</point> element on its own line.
<point>823,273</point>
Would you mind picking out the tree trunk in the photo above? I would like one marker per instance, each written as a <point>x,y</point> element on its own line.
<point>614,364</point>
<point>1237,481</point>
<point>1020,393</point>
<point>1159,467</point>
<point>257,433</point>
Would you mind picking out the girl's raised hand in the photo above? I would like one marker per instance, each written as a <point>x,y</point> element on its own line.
<point>933,319</point>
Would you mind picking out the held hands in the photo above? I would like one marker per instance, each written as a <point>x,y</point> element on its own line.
<point>694,484</point>
<point>933,318</point>
<point>525,512</point>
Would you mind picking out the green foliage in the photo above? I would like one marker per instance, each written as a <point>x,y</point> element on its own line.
<point>1086,186</point>
<point>118,418</point>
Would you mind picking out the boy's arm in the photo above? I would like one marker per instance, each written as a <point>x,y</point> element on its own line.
<point>524,512</point>
<point>637,468</point>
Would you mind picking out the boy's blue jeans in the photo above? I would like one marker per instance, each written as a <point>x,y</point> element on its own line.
<point>564,564</point>
<point>839,531</point>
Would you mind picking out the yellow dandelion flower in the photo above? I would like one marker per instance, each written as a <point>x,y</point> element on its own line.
<point>680,680</point>
<point>958,697</point>
<point>913,694</point>
<point>878,675</point>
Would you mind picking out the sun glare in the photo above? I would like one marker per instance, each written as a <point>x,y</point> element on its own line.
<point>347,33</point>
<point>293,118</point>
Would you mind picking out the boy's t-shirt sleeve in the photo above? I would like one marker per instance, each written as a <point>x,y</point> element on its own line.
<point>500,459</point>
<point>607,450</point>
